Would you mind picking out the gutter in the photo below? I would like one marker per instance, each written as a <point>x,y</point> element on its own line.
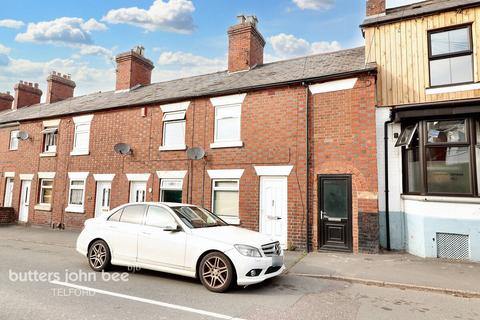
<point>337,76</point>
<point>9,124</point>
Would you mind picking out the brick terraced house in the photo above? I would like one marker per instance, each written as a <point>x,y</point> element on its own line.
<point>290,146</point>
<point>428,98</point>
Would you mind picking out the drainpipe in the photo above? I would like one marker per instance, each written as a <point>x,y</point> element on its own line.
<point>307,165</point>
<point>387,191</point>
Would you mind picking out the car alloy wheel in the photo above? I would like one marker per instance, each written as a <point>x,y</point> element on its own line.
<point>216,272</point>
<point>99,255</point>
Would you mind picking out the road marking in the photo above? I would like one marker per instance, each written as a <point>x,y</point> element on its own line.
<point>149,301</point>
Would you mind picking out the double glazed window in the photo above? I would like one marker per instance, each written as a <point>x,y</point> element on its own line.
<point>77,193</point>
<point>81,138</point>
<point>227,123</point>
<point>174,130</point>
<point>439,157</point>
<point>225,198</point>
<point>451,56</point>
<point>14,139</point>
<point>46,191</point>
<point>171,190</point>
<point>50,140</point>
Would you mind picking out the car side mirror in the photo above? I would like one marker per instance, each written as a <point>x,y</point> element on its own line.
<point>172,228</point>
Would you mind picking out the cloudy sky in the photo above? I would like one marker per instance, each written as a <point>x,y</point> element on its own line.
<point>182,37</point>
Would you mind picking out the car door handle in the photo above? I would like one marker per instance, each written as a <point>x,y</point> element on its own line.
<point>112,227</point>
<point>147,233</point>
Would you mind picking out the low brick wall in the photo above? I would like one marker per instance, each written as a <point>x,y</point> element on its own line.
<point>7,215</point>
<point>368,237</point>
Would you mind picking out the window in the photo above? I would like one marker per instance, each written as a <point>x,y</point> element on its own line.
<point>227,123</point>
<point>46,191</point>
<point>50,140</point>
<point>159,217</point>
<point>116,216</point>
<point>14,139</point>
<point>451,56</point>
<point>174,130</point>
<point>81,139</point>
<point>133,214</point>
<point>76,193</point>
<point>171,190</point>
<point>225,198</point>
<point>8,193</point>
<point>438,161</point>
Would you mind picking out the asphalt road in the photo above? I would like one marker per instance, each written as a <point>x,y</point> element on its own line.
<point>153,295</point>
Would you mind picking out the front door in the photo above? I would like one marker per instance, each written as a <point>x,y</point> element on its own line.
<point>335,212</point>
<point>24,200</point>
<point>138,191</point>
<point>102,203</point>
<point>273,208</point>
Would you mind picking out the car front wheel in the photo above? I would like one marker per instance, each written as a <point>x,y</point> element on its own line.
<point>216,272</point>
<point>99,255</point>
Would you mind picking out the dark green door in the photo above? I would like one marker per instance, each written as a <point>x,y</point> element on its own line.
<point>335,212</point>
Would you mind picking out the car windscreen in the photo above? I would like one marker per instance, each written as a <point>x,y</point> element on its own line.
<point>195,217</point>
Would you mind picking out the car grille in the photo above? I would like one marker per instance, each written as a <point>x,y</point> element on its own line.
<point>272,249</point>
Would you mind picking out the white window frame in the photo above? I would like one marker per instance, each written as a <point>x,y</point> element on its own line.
<point>178,187</point>
<point>50,133</point>
<point>81,121</point>
<point>232,101</point>
<point>8,196</point>
<point>77,176</point>
<point>231,219</point>
<point>171,118</point>
<point>42,189</point>
<point>14,141</point>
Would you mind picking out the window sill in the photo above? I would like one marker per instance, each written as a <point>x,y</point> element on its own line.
<point>226,144</point>
<point>453,88</point>
<point>441,199</point>
<point>231,220</point>
<point>73,209</point>
<point>79,153</point>
<point>48,154</point>
<point>173,148</point>
<point>43,207</point>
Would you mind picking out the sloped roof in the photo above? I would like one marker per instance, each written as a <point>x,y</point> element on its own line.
<point>283,72</point>
<point>419,9</point>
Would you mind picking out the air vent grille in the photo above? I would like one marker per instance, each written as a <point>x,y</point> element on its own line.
<point>453,246</point>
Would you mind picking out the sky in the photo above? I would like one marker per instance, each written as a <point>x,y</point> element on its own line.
<point>181,37</point>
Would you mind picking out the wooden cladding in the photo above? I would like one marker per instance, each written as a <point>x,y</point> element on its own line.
<point>401,51</point>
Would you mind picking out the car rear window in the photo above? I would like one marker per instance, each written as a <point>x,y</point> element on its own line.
<point>133,214</point>
<point>116,215</point>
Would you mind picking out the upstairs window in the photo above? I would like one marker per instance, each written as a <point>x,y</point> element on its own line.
<point>14,140</point>
<point>81,138</point>
<point>451,56</point>
<point>50,140</point>
<point>174,130</point>
<point>227,123</point>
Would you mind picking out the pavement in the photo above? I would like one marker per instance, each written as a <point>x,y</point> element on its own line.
<point>398,270</point>
<point>155,295</point>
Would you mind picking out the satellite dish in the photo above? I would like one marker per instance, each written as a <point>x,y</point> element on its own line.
<point>22,135</point>
<point>122,148</point>
<point>195,153</point>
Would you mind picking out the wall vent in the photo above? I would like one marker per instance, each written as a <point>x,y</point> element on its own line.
<point>453,246</point>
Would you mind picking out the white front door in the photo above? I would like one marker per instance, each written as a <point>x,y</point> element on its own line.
<point>24,200</point>
<point>274,208</point>
<point>138,191</point>
<point>102,203</point>
<point>8,193</point>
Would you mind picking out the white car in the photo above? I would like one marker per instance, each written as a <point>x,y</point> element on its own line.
<point>181,239</point>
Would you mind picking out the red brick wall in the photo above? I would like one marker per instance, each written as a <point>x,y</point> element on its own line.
<point>5,101</point>
<point>132,69</point>
<point>343,142</point>
<point>59,88</point>
<point>26,95</point>
<point>7,215</point>
<point>245,47</point>
<point>272,130</point>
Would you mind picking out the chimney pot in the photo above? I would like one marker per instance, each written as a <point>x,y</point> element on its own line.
<point>26,95</point>
<point>6,101</point>
<point>133,69</point>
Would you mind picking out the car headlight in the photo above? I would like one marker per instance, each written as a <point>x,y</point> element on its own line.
<point>248,251</point>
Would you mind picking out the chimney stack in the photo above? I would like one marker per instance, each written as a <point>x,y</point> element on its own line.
<point>26,94</point>
<point>6,100</point>
<point>245,44</point>
<point>375,8</point>
<point>60,87</point>
<point>133,69</point>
